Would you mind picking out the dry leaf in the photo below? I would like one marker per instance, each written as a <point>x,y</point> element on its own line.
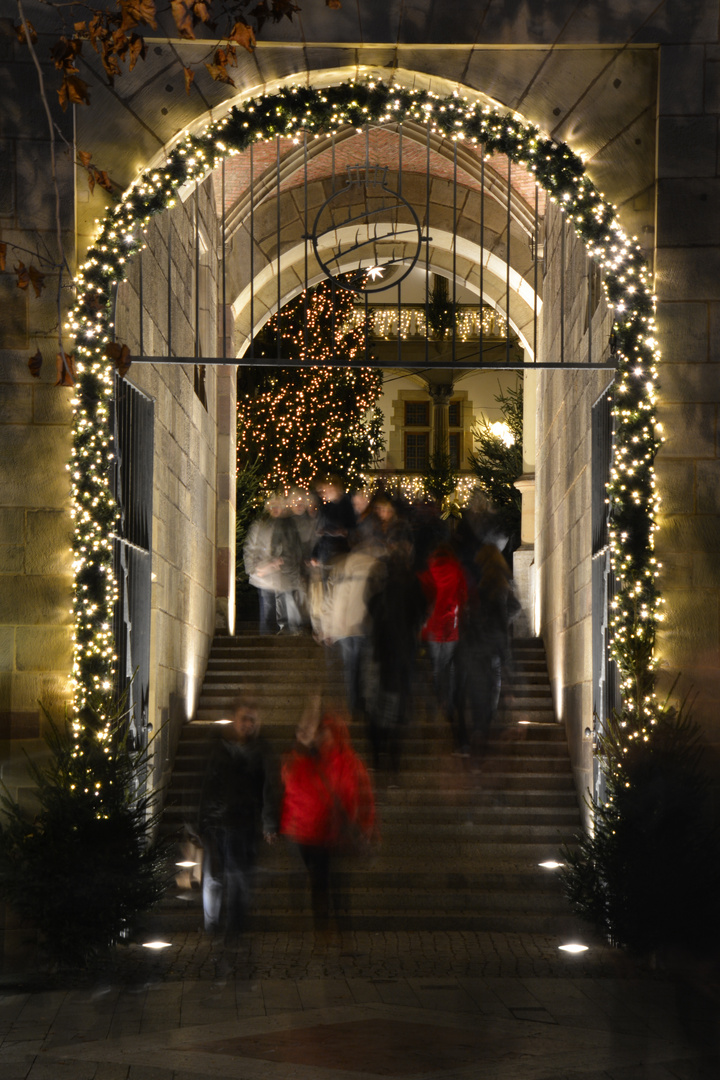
<point>189,76</point>
<point>65,369</point>
<point>3,254</point>
<point>35,364</point>
<point>37,280</point>
<point>84,158</point>
<point>74,91</point>
<point>120,356</point>
<point>334,5</point>
<point>20,32</point>
<point>137,50</point>
<point>137,11</point>
<point>243,34</point>
<point>23,277</point>
<point>182,12</point>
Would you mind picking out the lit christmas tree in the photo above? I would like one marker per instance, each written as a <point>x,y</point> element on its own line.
<point>298,422</point>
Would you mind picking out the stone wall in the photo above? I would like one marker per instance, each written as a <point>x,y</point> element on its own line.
<point>185,465</point>
<point>563,508</point>
<point>35,528</point>
<point>687,277</point>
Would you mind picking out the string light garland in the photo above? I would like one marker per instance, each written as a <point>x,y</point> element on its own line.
<point>299,112</point>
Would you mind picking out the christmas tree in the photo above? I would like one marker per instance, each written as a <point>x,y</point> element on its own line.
<point>300,421</point>
<point>498,457</point>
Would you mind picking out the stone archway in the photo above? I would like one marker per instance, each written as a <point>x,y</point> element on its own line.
<point>293,112</point>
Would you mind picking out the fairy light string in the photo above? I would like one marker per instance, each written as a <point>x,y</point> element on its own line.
<point>297,112</point>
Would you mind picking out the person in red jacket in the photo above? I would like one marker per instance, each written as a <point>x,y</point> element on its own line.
<point>446,590</point>
<point>328,805</point>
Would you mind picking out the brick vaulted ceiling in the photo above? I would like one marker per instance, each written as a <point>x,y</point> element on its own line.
<point>585,75</point>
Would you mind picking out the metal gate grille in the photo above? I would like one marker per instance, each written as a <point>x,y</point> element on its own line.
<point>606,696</point>
<point>133,472</point>
<point>390,200</point>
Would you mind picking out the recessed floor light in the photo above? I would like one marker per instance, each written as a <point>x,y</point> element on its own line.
<point>551,864</point>
<point>186,862</point>
<point>572,947</point>
<point>157,944</point>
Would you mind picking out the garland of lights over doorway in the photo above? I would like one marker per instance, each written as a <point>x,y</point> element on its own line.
<point>297,112</point>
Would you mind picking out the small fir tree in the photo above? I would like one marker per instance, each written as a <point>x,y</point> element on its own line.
<point>82,869</point>
<point>297,422</point>
<point>498,461</point>
<point>648,874</point>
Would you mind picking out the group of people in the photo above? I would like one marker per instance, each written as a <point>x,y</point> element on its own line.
<point>377,579</point>
<point>321,799</point>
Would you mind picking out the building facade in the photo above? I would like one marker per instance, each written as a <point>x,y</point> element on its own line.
<point>635,92</point>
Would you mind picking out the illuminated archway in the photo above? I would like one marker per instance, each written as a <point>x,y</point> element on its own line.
<point>294,112</point>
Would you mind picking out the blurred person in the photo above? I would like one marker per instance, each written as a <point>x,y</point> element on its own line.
<point>445,587</point>
<point>347,620</point>
<point>273,556</point>
<point>304,508</point>
<point>485,642</point>
<point>479,524</point>
<point>335,526</point>
<point>327,803</point>
<point>392,529</point>
<point>335,520</point>
<point>239,804</point>
<point>397,609</point>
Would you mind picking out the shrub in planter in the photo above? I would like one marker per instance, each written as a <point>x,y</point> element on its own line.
<point>83,868</point>
<point>648,876</point>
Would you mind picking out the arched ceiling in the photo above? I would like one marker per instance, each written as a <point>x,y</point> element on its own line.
<point>586,75</point>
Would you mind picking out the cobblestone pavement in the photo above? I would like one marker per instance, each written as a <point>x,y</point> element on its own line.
<point>437,1006</point>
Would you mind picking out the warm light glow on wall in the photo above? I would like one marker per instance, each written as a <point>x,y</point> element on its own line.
<point>305,111</point>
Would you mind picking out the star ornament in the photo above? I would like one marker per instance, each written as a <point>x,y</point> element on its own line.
<point>375,272</point>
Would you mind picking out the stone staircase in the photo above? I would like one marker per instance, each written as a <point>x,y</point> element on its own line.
<point>459,849</point>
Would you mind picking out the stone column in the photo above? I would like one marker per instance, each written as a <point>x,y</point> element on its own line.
<point>225,519</point>
<point>441,394</point>
<point>524,557</point>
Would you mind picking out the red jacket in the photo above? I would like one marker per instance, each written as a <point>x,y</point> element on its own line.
<point>325,788</point>
<point>446,589</point>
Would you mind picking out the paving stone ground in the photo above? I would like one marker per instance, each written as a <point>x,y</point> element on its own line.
<point>445,1006</point>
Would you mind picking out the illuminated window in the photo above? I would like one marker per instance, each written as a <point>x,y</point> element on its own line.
<point>455,447</point>
<point>416,451</point>
<point>417,414</point>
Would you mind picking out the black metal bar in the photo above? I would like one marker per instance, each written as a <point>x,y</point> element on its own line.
<point>277,237</point>
<point>399,301</point>
<point>197,271</point>
<point>169,288</point>
<point>471,362</point>
<point>590,306</point>
<point>307,240</point>
<point>141,321</point>
<point>507,264</point>
<point>252,246</point>
<point>427,246</point>
<point>482,252</point>
<point>562,288</point>
<point>223,268</point>
<point>535,269</point>
<point>454,258</point>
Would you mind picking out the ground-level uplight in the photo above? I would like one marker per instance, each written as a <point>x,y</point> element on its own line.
<point>156,944</point>
<point>187,863</point>
<point>573,947</point>
<point>550,864</point>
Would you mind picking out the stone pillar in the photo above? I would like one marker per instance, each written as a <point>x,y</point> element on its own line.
<point>226,467</point>
<point>441,394</point>
<point>524,557</point>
